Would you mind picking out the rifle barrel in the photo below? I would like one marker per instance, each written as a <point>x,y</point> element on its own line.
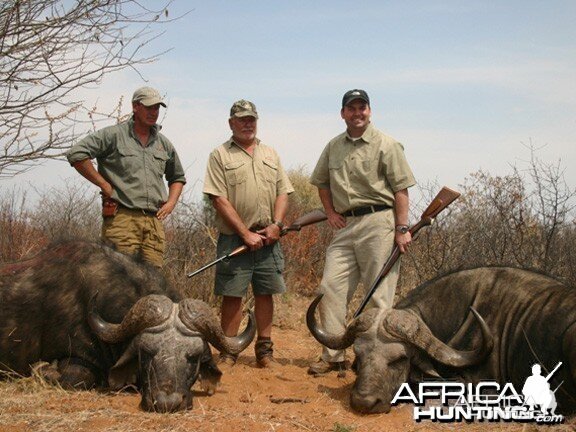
<point>310,218</point>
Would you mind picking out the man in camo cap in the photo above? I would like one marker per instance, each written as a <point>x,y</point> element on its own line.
<point>133,157</point>
<point>249,190</point>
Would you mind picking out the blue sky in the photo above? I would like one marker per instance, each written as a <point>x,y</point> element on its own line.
<point>464,85</point>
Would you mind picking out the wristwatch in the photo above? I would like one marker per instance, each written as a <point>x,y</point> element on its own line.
<point>279,224</point>
<point>402,229</point>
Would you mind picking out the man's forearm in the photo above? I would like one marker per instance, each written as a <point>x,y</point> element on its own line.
<point>87,170</point>
<point>174,192</point>
<point>280,207</point>
<point>401,206</point>
<point>326,200</point>
<point>227,211</point>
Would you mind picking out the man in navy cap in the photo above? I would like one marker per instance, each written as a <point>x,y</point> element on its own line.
<point>363,179</point>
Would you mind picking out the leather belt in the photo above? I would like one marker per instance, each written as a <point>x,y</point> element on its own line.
<point>139,211</point>
<point>360,211</point>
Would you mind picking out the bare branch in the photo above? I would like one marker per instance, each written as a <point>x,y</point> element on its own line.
<point>49,49</point>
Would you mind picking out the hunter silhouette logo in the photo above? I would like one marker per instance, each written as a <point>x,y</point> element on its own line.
<point>446,401</point>
<point>537,391</point>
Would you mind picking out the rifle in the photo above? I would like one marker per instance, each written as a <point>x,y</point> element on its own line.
<point>310,218</point>
<point>442,200</point>
<point>553,372</point>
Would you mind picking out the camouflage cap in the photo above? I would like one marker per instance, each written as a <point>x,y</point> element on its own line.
<point>351,95</point>
<point>148,96</point>
<point>243,108</point>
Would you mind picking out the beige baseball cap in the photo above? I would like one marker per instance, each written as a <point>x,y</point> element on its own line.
<point>243,108</point>
<point>148,96</point>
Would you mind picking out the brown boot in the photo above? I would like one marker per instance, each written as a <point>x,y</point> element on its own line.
<point>265,354</point>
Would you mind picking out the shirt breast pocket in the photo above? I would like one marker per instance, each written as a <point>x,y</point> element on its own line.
<point>160,160</point>
<point>336,168</point>
<point>235,173</point>
<point>270,171</point>
<point>128,158</point>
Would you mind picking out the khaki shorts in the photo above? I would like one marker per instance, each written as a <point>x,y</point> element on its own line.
<point>133,233</point>
<point>263,268</point>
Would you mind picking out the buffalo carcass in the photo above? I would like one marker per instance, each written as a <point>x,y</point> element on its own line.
<point>100,318</point>
<point>531,319</point>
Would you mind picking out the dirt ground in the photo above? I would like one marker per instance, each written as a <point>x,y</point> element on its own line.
<point>249,399</point>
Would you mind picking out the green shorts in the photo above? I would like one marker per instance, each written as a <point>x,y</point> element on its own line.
<point>263,268</point>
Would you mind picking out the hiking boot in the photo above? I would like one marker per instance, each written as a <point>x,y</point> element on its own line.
<point>265,354</point>
<point>322,367</point>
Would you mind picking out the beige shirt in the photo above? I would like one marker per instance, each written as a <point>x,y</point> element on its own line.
<point>364,172</point>
<point>250,183</point>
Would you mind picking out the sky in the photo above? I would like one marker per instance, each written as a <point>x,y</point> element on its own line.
<point>463,85</point>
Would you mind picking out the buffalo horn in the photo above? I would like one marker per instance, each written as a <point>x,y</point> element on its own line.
<point>411,328</point>
<point>147,312</point>
<point>197,316</point>
<point>340,341</point>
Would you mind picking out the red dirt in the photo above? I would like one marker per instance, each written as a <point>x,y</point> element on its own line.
<point>244,402</point>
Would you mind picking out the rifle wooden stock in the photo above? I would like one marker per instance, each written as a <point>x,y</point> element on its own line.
<point>310,218</point>
<point>442,200</point>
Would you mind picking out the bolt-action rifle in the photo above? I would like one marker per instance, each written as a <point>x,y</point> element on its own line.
<point>444,198</point>
<point>310,218</point>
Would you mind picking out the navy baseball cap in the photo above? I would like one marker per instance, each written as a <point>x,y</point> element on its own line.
<point>351,95</point>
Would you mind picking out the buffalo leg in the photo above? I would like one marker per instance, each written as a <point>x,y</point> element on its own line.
<point>209,375</point>
<point>67,373</point>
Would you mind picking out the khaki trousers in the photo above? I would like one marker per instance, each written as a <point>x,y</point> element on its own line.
<point>134,232</point>
<point>356,254</point>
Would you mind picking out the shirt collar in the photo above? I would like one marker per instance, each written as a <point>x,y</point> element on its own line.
<point>367,136</point>
<point>153,130</point>
<point>231,142</point>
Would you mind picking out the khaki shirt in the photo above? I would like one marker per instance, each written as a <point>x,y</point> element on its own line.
<point>250,183</point>
<point>135,172</point>
<point>364,172</point>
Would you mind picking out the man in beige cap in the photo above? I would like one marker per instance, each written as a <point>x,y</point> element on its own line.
<point>249,190</point>
<point>363,179</point>
<point>133,157</point>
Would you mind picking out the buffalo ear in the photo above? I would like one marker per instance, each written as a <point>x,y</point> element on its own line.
<point>424,365</point>
<point>123,373</point>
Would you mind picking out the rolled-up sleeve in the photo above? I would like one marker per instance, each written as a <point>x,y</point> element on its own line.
<point>92,146</point>
<point>283,184</point>
<point>215,181</point>
<point>174,171</point>
<point>395,167</point>
<point>321,175</point>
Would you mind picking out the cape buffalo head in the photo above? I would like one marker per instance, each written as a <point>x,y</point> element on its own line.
<point>167,348</point>
<point>389,345</point>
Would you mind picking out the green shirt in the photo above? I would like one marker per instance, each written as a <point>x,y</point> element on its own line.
<point>364,172</point>
<point>250,183</point>
<point>135,172</point>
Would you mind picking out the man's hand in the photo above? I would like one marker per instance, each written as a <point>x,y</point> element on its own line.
<point>403,240</point>
<point>336,220</point>
<point>253,240</point>
<point>271,234</point>
<point>166,209</point>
